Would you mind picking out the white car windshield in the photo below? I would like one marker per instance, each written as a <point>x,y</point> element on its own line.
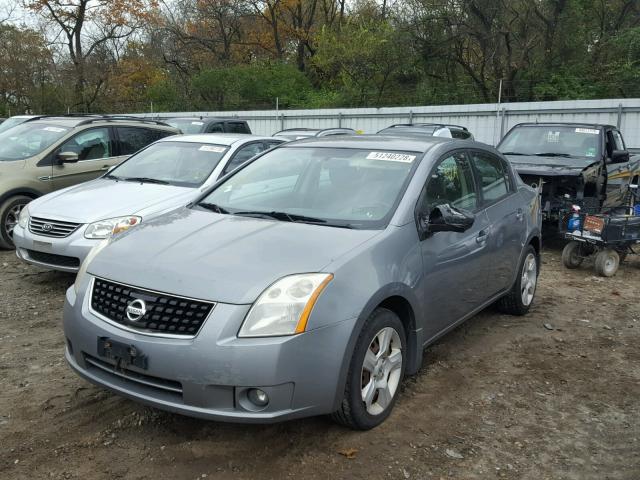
<point>186,164</point>
<point>28,139</point>
<point>553,141</point>
<point>345,187</point>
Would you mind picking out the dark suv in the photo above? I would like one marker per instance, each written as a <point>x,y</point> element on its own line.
<point>191,125</point>
<point>48,153</point>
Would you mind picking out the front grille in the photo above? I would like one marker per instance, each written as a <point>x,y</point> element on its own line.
<point>52,228</point>
<point>53,259</point>
<point>165,314</point>
<point>141,378</point>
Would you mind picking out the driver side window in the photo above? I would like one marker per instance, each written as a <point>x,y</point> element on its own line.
<point>451,182</point>
<point>90,144</point>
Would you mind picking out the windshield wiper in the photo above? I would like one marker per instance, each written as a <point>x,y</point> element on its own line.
<point>145,180</point>
<point>553,154</point>
<point>283,216</point>
<point>113,177</point>
<point>513,153</point>
<point>213,207</point>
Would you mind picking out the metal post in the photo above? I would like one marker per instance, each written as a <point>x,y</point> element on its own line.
<point>495,130</point>
<point>410,116</point>
<point>619,124</point>
<point>340,120</point>
<point>502,124</point>
<point>282,122</point>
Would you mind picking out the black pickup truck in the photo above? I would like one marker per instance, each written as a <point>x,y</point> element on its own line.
<point>574,163</point>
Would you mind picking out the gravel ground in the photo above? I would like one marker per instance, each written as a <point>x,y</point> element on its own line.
<point>553,395</point>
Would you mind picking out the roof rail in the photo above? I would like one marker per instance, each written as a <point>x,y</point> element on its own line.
<point>421,124</point>
<point>108,118</point>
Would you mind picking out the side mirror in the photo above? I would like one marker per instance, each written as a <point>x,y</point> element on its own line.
<point>445,218</point>
<point>619,156</point>
<point>68,157</point>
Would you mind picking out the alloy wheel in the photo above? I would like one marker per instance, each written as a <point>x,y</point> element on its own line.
<point>11,220</point>
<point>529,279</point>
<point>381,371</point>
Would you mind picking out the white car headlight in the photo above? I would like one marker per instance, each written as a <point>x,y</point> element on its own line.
<point>82,271</point>
<point>284,307</point>
<point>23,219</point>
<point>110,226</point>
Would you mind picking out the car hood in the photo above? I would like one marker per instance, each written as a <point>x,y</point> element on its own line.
<point>549,166</point>
<point>222,258</point>
<point>101,198</point>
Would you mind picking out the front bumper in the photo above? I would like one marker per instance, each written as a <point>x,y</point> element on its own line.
<point>62,254</point>
<point>209,375</point>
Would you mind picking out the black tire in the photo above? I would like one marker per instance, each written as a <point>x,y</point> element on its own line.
<point>607,262</point>
<point>8,218</point>
<point>353,412</point>
<point>512,303</point>
<point>572,255</point>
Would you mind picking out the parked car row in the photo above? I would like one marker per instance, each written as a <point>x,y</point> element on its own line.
<point>255,279</point>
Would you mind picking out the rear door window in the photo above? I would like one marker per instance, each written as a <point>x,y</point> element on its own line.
<point>237,127</point>
<point>493,174</point>
<point>133,139</point>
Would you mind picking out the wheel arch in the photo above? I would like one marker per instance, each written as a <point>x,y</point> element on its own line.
<point>399,299</point>
<point>27,192</point>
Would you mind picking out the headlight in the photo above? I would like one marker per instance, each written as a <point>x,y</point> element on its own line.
<point>284,307</point>
<point>82,271</point>
<point>23,219</point>
<point>110,226</point>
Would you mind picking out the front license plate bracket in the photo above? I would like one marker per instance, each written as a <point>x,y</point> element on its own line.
<point>121,353</point>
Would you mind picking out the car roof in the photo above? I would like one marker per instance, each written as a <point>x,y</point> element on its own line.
<point>372,142</point>
<point>422,124</point>
<point>75,120</point>
<point>564,124</point>
<point>216,138</point>
<point>204,119</point>
<point>291,131</point>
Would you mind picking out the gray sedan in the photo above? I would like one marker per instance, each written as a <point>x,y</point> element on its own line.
<point>308,282</point>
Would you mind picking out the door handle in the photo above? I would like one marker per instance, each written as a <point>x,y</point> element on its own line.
<point>482,237</point>
<point>519,214</point>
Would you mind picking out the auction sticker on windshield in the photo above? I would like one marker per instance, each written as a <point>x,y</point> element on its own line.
<point>212,148</point>
<point>197,123</point>
<point>54,129</point>
<point>391,157</point>
<point>590,131</point>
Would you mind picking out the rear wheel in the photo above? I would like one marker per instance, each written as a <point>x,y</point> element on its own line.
<point>572,255</point>
<point>375,373</point>
<point>520,297</point>
<point>9,214</point>
<point>607,262</point>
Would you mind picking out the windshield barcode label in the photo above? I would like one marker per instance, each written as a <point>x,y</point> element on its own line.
<point>587,130</point>
<point>391,157</point>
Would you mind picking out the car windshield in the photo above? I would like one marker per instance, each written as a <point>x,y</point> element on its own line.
<point>28,139</point>
<point>12,122</point>
<point>186,125</point>
<point>563,141</point>
<point>342,187</point>
<point>176,163</point>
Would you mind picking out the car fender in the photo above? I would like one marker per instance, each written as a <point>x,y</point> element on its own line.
<point>414,335</point>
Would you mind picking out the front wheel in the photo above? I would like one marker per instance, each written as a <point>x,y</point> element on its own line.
<point>376,370</point>
<point>9,215</point>
<point>519,299</point>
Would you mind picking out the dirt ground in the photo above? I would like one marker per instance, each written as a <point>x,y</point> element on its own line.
<point>552,395</point>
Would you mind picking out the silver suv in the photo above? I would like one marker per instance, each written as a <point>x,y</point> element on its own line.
<point>45,154</point>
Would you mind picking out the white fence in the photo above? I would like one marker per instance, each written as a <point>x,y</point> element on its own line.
<point>488,122</point>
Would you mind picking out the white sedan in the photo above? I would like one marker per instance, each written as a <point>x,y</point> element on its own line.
<point>58,230</point>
